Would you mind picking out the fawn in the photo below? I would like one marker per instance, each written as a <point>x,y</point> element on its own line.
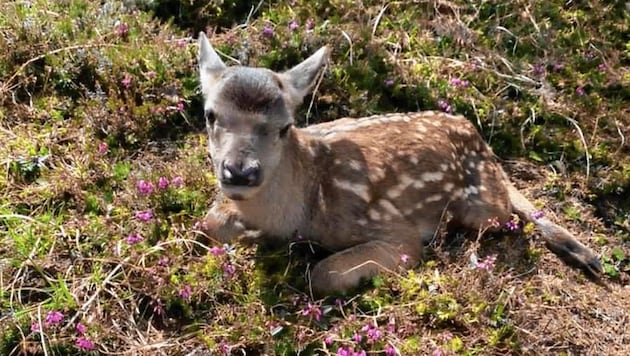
<point>372,189</point>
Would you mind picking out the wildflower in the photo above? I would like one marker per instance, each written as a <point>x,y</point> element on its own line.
<point>602,67</point>
<point>267,31</point>
<point>145,188</point>
<point>177,182</point>
<point>122,29</point>
<point>513,224</point>
<point>558,67</point>
<point>85,344</point>
<point>444,106</point>
<point>390,350</point>
<point>312,310</point>
<point>150,74</point>
<point>126,81</point>
<point>144,216</point>
<point>538,214</point>
<point>133,239</point>
<point>487,263</point>
<point>360,353</point>
<point>54,317</point>
<point>404,258</point>
<point>35,327</point>
<point>157,307</point>
<point>163,183</point>
<point>389,82</point>
<point>539,69</point>
<point>459,83</point>
<point>494,222</point>
<point>391,326</point>
<point>372,331</point>
<point>357,338</point>
<point>310,24</point>
<point>294,25</point>
<point>342,351</point>
<point>181,43</point>
<point>163,261</point>
<point>579,91</point>
<point>437,352</point>
<point>81,329</point>
<point>185,292</point>
<point>228,269</point>
<point>217,251</point>
<point>224,348</point>
<point>103,148</point>
<point>328,340</point>
<point>180,106</point>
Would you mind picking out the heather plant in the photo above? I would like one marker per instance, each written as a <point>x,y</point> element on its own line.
<point>106,173</point>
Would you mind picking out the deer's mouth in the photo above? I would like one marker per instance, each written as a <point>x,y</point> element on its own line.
<point>239,192</point>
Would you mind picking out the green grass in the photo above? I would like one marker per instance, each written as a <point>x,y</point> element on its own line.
<point>97,97</point>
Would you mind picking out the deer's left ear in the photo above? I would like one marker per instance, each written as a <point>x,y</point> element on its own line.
<point>302,77</point>
<point>210,64</point>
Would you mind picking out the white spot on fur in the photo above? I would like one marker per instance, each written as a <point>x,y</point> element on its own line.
<point>355,165</point>
<point>374,215</point>
<point>413,160</point>
<point>396,191</point>
<point>360,190</point>
<point>388,207</point>
<point>448,187</point>
<point>443,167</point>
<point>432,176</point>
<point>433,198</point>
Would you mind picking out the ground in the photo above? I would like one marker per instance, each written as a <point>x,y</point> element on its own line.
<point>105,173</point>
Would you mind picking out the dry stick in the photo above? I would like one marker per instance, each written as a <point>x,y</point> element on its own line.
<point>583,140</point>
<point>5,86</point>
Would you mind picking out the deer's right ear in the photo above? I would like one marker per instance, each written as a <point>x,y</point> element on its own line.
<point>210,64</point>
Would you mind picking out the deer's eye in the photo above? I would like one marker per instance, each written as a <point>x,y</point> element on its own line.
<point>210,117</point>
<point>284,130</point>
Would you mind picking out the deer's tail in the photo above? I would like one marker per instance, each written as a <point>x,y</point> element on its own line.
<point>558,239</point>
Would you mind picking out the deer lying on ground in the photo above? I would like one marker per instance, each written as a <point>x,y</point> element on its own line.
<point>372,189</point>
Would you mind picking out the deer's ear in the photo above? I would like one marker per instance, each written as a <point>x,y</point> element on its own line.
<point>210,64</point>
<point>303,76</point>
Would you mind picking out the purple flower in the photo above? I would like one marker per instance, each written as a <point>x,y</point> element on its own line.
<point>224,348</point>
<point>163,261</point>
<point>163,183</point>
<point>145,188</point>
<point>437,352</point>
<point>539,69</point>
<point>81,329</point>
<point>579,91</point>
<point>391,326</point>
<point>310,24</point>
<point>404,258</point>
<point>602,67</point>
<point>267,31</point>
<point>177,182</point>
<point>54,318</point>
<point>390,350</point>
<point>150,74</point>
<point>126,81</point>
<point>342,351</point>
<point>35,327</point>
<point>217,251</point>
<point>558,67</point>
<point>538,214</point>
<point>185,292</point>
<point>122,29</point>
<point>512,225</point>
<point>228,269</point>
<point>312,310</point>
<point>158,308</point>
<point>389,82</point>
<point>84,344</point>
<point>357,338</point>
<point>103,148</point>
<point>444,106</point>
<point>181,43</point>
<point>372,331</point>
<point>144,216</point>
<point>328,340</point>
<point>133,239</point>
<point>294,25</point>
<point>180,106</point>
<point>459,83</point>
<point>487,263</point>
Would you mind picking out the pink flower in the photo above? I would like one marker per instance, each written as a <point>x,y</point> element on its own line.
<point>459,83</point>
<point>538,214</point>
<point>267,31</point>
<point>103,148</point>
<point>580,91</point>
<point>133,239</point>
<point>180,106</point>
<point>122,29</point>
<point>84,344</point>
<point>217,251</point>
<point>294,25</point>
<point>163,261</point>
<point>177,182</point>
<point>487,263</point>
<point>310,24</point>
<point>150,74</point>
<point>145,188</point>
<point>328,340</point>
<point>163,183</point>
<point>312,310</point>
<point>390,350</point>
<point>144,216</point>
<point>181,43</point>
<point>228,269</point>
<point>404,258</point>
<point>185,293</point>
<point>81,329</point>
<point>444,106</point>
<point>35,327</point>
<point>54,318</point>
<point>126,81</point>
<point>357,338</point>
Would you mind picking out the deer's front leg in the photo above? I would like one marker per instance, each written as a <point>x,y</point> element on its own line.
<point>223,223</point>
<point>344,270</point>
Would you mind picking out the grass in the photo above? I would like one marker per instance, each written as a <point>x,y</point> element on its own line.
<point>106,173</point>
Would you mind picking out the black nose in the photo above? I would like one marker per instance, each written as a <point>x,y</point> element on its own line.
<point>235,174</point>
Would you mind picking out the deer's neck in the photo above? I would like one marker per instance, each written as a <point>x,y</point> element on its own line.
<point>281,207</point>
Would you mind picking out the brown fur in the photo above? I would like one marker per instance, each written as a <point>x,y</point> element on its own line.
<point>374,189</point>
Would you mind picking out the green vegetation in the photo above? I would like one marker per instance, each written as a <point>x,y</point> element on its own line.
<point>105,173</point>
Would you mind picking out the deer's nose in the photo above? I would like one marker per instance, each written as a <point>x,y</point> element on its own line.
<point>236,174</point>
